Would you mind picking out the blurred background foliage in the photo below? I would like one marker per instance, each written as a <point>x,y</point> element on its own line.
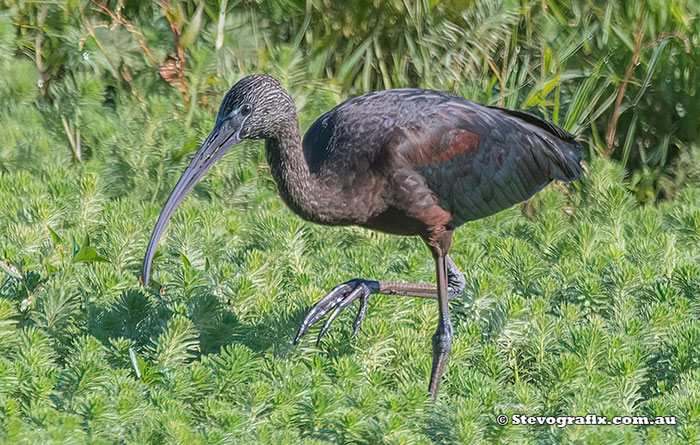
<point>621,74</point>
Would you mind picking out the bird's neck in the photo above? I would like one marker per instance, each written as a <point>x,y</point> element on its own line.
<point>301,190</point>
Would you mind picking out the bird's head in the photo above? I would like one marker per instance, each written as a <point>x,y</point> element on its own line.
<point>254,108</point>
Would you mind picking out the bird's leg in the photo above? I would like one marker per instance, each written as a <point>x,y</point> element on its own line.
<point>442,339</point>
<point>529,209</point>
<point>455,285</point>
<point>341,296</point>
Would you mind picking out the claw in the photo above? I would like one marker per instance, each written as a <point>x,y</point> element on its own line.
<point>352,296</point>
<point>339,298</point>
<point>360,315</point>
<point>319,310</point>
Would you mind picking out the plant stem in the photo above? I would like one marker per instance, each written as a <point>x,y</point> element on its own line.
<point>220,25</point>
<point>617,111</point>
<point>71,139</point>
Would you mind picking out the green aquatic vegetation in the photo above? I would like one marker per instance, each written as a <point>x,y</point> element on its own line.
<point>589,306</point>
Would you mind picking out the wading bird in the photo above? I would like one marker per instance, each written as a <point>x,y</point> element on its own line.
<point>406,162</point>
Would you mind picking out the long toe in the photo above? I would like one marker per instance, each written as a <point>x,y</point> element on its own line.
<point>352,296</point>
<point>361,311</point>
<point>321,308</point>
<point>338,299</point>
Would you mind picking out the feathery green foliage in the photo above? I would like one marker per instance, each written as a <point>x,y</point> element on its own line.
<point>589,307</point>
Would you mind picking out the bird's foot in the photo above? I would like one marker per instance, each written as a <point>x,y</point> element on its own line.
<point>337,300</point>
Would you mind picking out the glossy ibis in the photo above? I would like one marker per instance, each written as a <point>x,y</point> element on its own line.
<point>405,162</point>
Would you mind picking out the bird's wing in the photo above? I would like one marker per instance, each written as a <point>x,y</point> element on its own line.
<point>471,159</point>
<point>480,160</point>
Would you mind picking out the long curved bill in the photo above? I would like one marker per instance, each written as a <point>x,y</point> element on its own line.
<point>222,137</point>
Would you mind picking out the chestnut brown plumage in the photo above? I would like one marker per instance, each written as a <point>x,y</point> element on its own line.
<point>407,162</point>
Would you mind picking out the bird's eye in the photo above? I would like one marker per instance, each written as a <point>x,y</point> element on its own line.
<point>246,109</point>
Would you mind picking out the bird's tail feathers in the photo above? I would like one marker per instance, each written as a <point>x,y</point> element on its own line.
<point>567,162</point>
<point>566,153</point>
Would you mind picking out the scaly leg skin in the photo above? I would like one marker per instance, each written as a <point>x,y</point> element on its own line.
<point>442,339</point>
<point>360,289</point>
